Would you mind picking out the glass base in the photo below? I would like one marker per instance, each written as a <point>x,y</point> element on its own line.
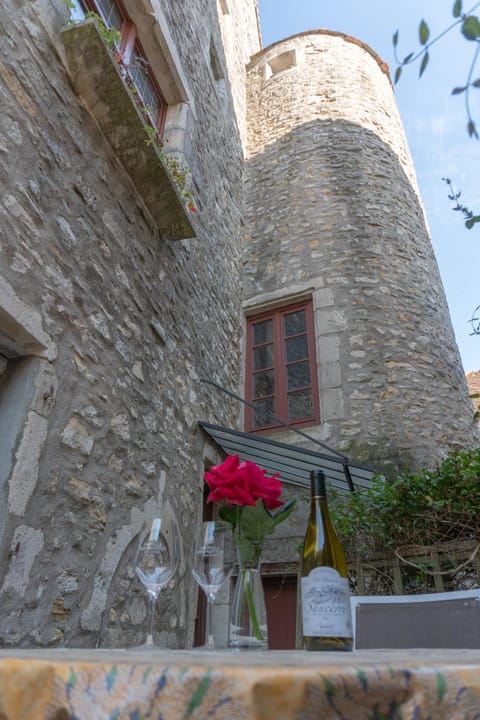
<point>247,643</point>
<point>248,618</point>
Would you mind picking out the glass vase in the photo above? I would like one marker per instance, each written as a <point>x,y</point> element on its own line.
<point>248,619</point>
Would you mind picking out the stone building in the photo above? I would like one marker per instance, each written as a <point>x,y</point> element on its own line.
<point>119,292</point>
<point>473,381</point>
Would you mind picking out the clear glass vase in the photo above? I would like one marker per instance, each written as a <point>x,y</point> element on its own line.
<point>248,619</point>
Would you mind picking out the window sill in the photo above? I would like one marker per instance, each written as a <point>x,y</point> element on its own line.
<point>97,79</point>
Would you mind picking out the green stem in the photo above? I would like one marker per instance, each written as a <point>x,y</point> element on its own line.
<point>251,605</point>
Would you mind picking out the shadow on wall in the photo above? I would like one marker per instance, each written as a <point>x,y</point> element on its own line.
<point>331,211</point>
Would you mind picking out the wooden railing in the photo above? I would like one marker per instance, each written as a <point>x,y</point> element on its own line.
<point>412,570</point>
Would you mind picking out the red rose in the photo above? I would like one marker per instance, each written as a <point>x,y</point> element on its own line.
<point>243,483</point>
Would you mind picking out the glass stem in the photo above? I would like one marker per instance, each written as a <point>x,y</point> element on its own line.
<point>209,642</point>
<point>151,613</point>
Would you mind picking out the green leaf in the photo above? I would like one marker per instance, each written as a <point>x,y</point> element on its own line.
<point>469,224</point>
<point>476,83</point>
<point>457,8</point>
<point>231,514</point>
<point>256,522</point>
<point>458,90</point>
<point>472,130</point>
<point>423,32</point>
<point>284,511</point>
<point>398,72</point>
<point>329,686</point>
<point>424,63</point>
<point>395,38</point>
<point>200,692</point>
<point>407,58</point>
<point>362,677</point>
<point>441,687</point>
<point>471,27</point>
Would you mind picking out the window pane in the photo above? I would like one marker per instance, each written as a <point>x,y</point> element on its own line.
<point>263,332</point>
<point>138,70</point>
<point>110,13</point>
<point>300,405</point>
<point>297,348</point>
<point>77,11</point>
<point>298,376</point>
<point>263,411</point>
<point>263,384</point>
<point>263,357</point>
<point>295,323</point>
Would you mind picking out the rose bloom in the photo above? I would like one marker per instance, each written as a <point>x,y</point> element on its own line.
<point>243,483</point>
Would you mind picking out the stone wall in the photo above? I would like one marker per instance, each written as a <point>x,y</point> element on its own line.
<point>334,212</point>
<point>473,381</point>
<point>106,328</point>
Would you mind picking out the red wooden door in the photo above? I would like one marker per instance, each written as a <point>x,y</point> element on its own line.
<point>281,601</point>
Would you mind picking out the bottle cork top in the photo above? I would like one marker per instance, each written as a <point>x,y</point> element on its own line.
<point>317,483</point>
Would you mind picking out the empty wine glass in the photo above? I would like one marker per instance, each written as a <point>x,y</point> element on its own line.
<point>156,562</point>
<point>212,565</point>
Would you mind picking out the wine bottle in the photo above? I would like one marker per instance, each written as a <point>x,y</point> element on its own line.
<point>325,594</point>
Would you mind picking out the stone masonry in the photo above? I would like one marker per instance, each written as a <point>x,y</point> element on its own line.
<point>334,213</point>
<point>114,306</point>
<point>106,328</point>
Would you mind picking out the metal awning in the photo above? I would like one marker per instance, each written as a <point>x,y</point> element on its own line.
<point>292,462</point>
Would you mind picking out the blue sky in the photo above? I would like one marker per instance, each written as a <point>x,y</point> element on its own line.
<point>435,124</point>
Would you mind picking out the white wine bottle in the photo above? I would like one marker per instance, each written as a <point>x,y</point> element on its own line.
<point>325,593</point>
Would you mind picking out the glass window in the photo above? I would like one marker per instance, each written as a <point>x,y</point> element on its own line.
<point>295,323</point>
<point>77,11</point>
<point>263,357</point>
<point>131,57</point>
<point>300,405</point>
<point>296,348</point>
<point>298,376</point>
<point>262,332</point>
<point>281,369</point>
<point>264,409</point>
<point>110,14</point>
<point>263,384</point>
<point>139,71</point>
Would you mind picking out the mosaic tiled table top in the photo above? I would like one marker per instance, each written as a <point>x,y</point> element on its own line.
<point>65,684</point>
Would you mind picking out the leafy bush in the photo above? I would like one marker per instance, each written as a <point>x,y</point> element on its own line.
<point>425,509</point>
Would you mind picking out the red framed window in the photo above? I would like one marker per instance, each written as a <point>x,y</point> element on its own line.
<point>130,55</point>
<point>281,375</point>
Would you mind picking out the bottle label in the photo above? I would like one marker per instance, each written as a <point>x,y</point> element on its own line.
<point>326,604</point>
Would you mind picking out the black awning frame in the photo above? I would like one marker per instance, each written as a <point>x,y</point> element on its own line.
<point>292,462</point>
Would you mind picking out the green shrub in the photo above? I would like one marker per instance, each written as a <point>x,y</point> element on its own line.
<point>425,509</point>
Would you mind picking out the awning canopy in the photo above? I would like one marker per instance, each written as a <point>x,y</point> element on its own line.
<point>293,463</point>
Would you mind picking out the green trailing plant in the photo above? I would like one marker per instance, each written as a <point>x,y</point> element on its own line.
<point>111,35</point>
<point>469,25</point>
<point>179,171</point>
<point>428,508</point>
<point>469,216</point>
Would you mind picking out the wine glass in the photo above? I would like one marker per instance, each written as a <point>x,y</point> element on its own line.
<point>156,562</point>
<point>212,565</point>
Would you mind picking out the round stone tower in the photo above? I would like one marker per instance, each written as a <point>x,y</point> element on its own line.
<point>334,214</point>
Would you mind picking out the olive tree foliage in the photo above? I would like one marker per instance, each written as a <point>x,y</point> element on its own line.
<point>469,26</point>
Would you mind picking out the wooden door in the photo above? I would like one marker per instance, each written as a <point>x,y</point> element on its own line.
<point>281,601</point>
